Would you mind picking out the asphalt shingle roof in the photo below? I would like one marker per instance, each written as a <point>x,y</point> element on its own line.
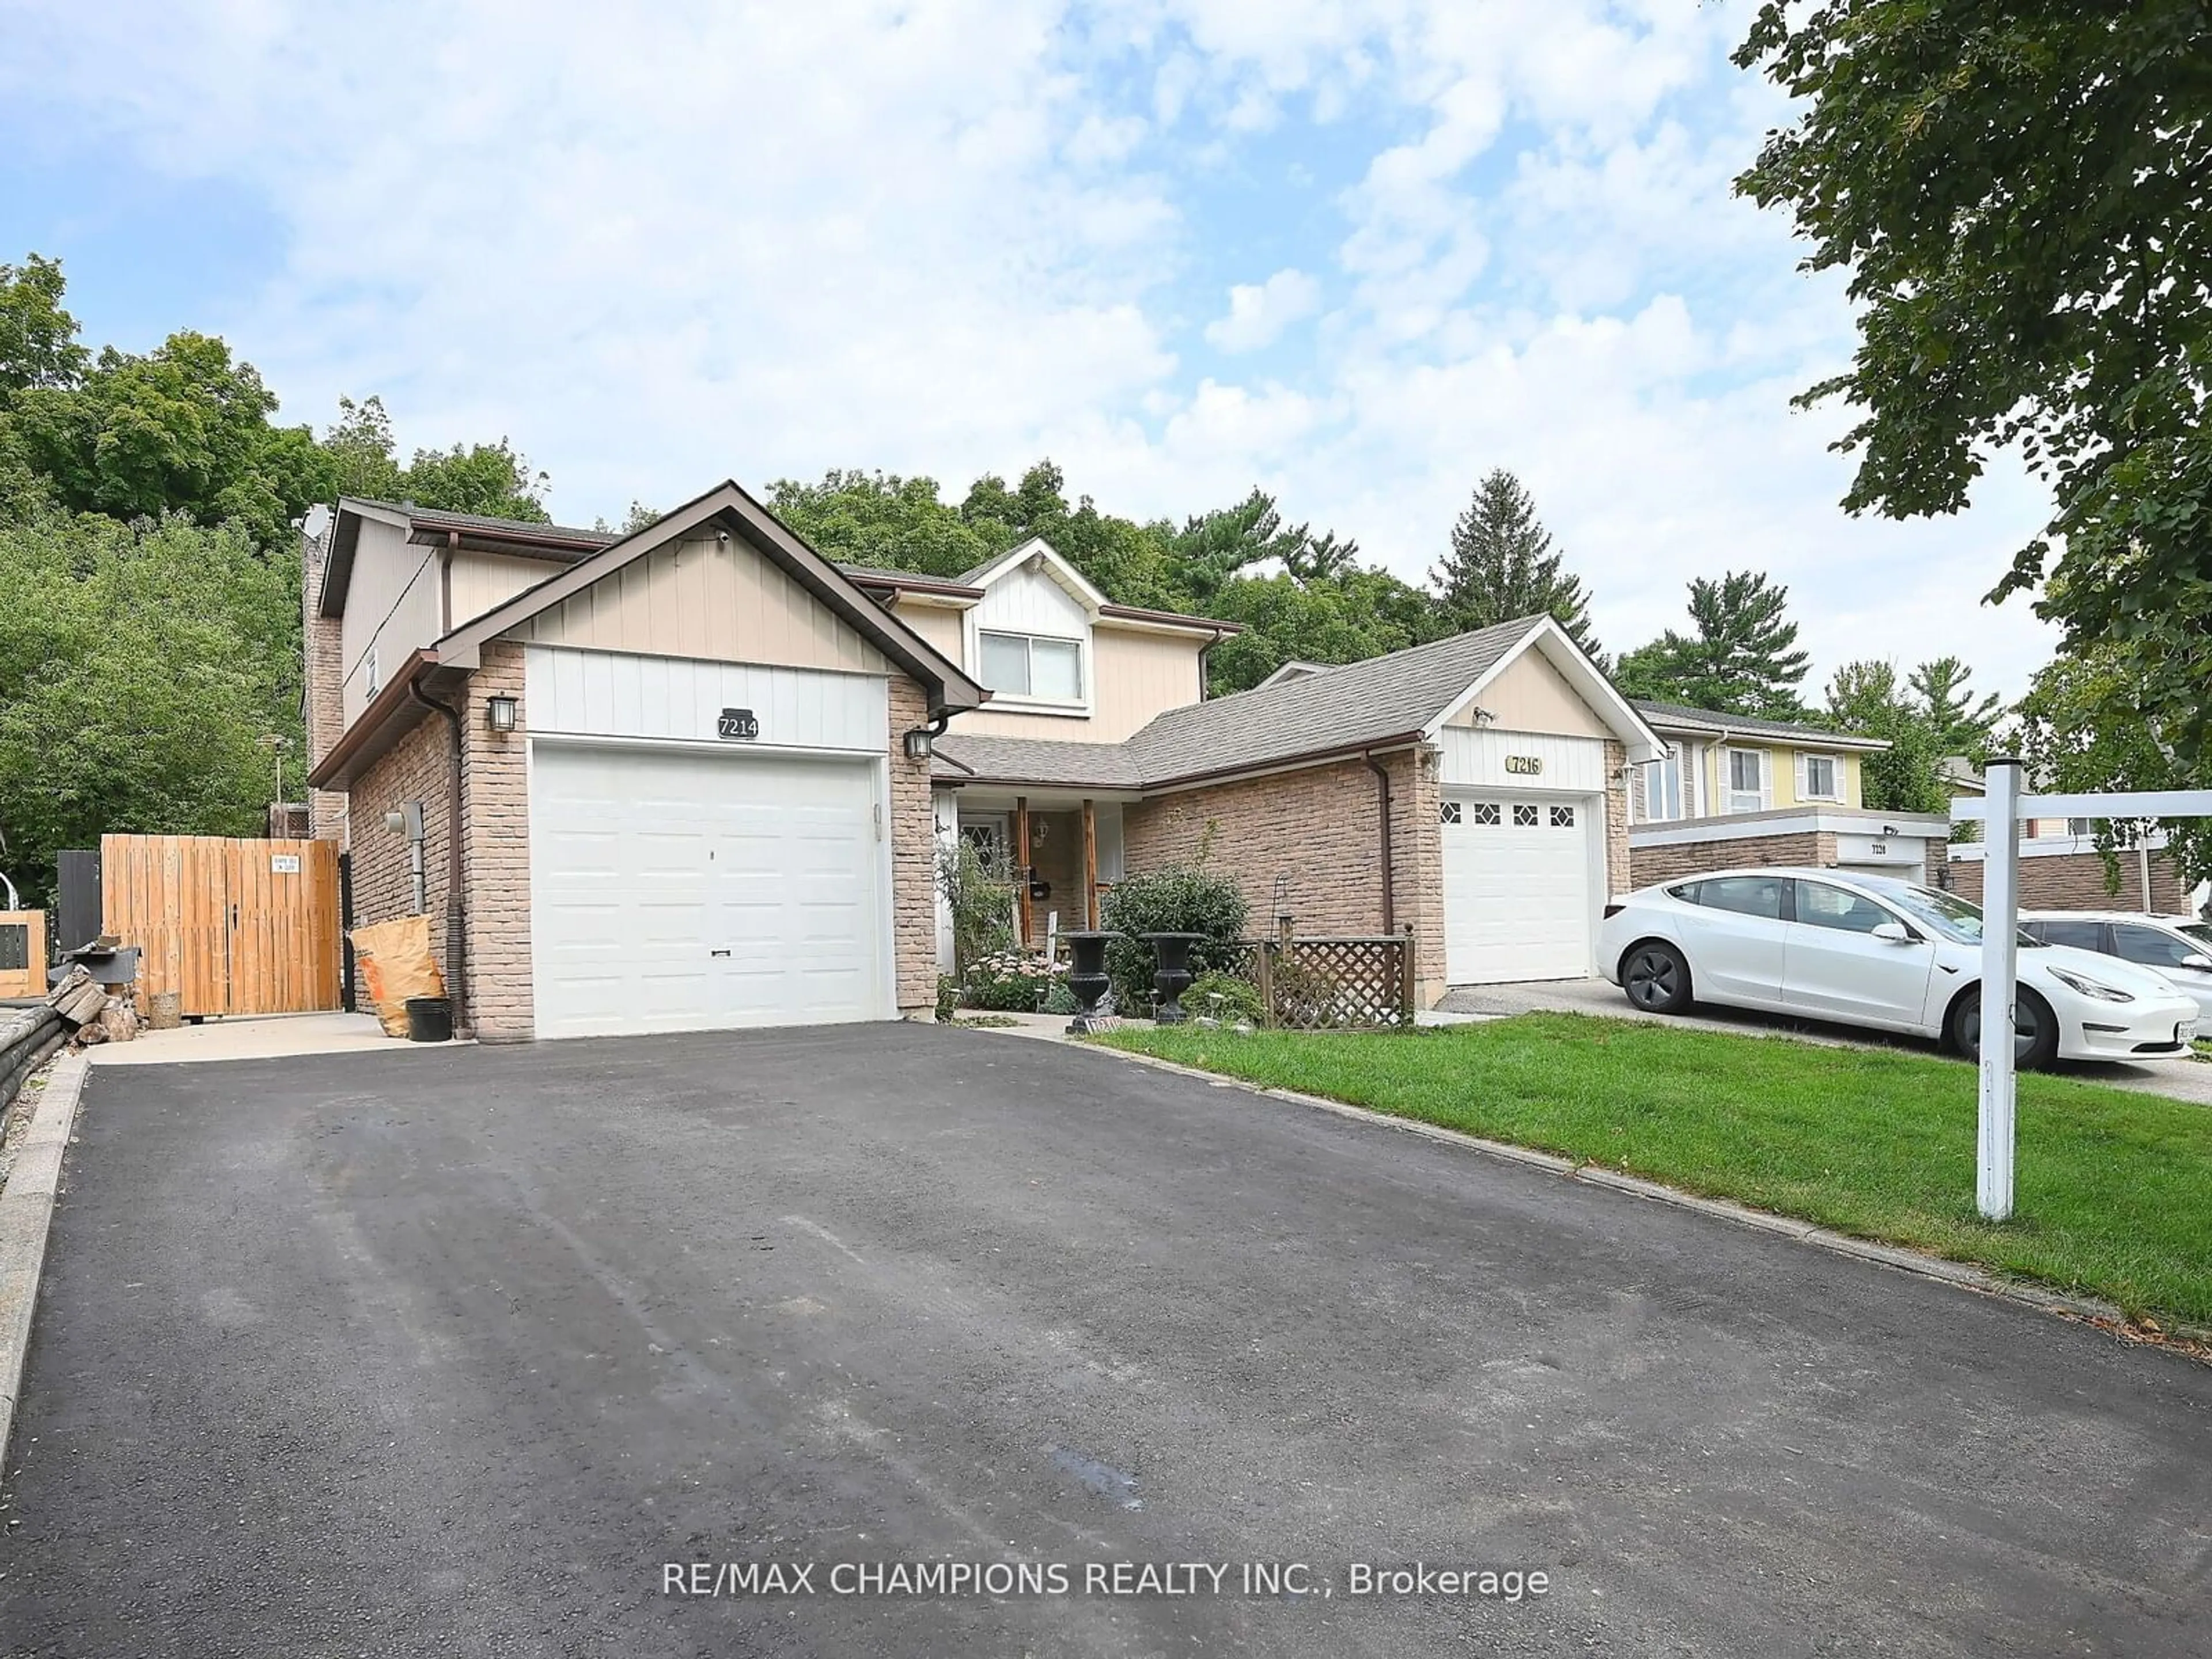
<point>1040,761</point>
<point>586,540</point>
<point>1361,702</point>
<point>1706,719</point>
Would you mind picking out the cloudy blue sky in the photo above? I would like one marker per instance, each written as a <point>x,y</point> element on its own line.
<point>1358,251</point>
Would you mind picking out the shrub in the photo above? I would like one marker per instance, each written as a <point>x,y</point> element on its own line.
<point>981,900</point>
<point>1012,982</point>
<point>948,997</point>
<point>1058,998</point>
<point>1182,898</point>
<point>1240,999</point>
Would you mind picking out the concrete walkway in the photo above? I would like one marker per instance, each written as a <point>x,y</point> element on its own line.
<point>270,1037</point>
<point>2182,1079</point>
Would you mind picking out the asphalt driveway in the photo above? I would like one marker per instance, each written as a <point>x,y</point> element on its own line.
<point>454,1353</point>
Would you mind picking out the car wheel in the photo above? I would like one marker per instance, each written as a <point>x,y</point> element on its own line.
<point>1656,977</point>
<point>2034,1034</point>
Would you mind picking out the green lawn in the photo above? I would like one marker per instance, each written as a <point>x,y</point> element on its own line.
<point>2114,1188</point>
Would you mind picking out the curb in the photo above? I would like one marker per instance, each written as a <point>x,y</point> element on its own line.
<point>26,1205</point>
<point>2104,1315</point>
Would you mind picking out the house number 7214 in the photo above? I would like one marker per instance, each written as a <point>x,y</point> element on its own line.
<point>736,723</point>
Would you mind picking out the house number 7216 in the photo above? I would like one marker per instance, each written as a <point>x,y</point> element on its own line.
<point>1525,766</point>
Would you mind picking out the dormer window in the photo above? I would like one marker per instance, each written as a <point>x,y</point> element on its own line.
<point>1033,665</point>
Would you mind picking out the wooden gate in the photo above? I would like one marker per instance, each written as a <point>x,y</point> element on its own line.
<point>22,953</point>
<point>233,927</point>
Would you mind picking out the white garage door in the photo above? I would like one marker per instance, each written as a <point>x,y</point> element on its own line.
<point>681,892</point>
<point>1518,898</point>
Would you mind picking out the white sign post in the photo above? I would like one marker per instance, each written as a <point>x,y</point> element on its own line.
<point>2002,811</point>
<point>2000,965</point>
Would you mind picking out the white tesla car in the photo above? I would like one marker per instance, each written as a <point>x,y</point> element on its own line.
<point>1875,951</point>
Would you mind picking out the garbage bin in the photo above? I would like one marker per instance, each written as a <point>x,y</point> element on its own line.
<point>429,1019</point>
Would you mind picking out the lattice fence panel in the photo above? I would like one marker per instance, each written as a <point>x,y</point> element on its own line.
<point>1332,984</point>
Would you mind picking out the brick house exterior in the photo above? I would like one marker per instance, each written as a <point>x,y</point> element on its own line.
<point>1314,830</point>
<point>2081,880</point>
<point>396,751</point>
<point>914,858</point>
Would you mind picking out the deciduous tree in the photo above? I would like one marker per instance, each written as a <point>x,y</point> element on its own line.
<point>2019,193</point>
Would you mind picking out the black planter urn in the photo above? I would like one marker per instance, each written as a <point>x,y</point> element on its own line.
<point>1086,977</point>
<point>1173,976</point>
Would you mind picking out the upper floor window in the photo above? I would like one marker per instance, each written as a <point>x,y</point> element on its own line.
<point>373,682</point>
<point>1821,783</point>
<point>1033,665</point>
<point>1746,780</point>
<point>1662,789</point>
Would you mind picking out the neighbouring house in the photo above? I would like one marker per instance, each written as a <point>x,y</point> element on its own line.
<point>1732,790</point>
<point>699,776</point>
<point>2061,869</point>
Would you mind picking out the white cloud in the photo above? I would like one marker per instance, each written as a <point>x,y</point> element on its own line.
<point>660,246</point>
<point>1260,312</point>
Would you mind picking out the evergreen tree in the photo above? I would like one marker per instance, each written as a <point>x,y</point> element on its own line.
<point>1958,724</point>
<point>1501,565</point>
<point>1743,660</point>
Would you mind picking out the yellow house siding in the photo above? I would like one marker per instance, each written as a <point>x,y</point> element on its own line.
<point>1782,769</point>
<point>715,600</point>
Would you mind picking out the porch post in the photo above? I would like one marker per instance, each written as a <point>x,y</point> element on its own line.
<point>1090,865</point>
<point>1022,864</point>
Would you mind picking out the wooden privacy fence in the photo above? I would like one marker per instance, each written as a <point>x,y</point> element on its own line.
<point>1340,982</point>
<point>22,953</point>
<point>232,926</point>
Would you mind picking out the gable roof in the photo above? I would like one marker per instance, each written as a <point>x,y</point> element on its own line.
<point>1679,717</point>
<point>1041,552</point>
<point>727,508</point>
<point>1380,703</point>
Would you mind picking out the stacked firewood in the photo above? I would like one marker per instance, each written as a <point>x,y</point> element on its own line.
<point>83,1003</point>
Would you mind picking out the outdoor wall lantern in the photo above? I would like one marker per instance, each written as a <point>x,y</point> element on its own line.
<point>919,743</point>
<point>499,714</point>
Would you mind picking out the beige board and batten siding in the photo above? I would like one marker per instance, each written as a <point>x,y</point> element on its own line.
<point>1531,762</point>
<point>609,694</point>
<point>1136,676</point>
<point>477,581</point>
<point>939,627</point>
<point>393,605</point>
<point>1528,695</point>
<point>706,598</point>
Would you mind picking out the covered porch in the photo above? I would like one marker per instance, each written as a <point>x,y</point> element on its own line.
<point>1062,850</point>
